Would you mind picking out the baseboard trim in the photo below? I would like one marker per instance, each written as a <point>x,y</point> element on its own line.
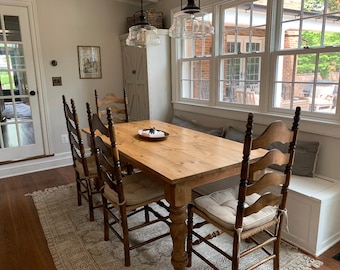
<point>35,165</point>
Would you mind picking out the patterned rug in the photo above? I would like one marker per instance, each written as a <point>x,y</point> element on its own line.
<point>76,243</point>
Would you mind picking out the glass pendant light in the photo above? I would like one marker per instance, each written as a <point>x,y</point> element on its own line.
<point>190,22</point>
<point>143,34</point>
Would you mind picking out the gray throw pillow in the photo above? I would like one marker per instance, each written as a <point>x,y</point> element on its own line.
<point>306,156</point>
<point>188,124</point>
<point>234,134</point>
<point>306,153</point>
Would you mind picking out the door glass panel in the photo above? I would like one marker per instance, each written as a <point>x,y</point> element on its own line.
<point>15,109</point>
<point>15,135</point>
<point>25,133</point>
<point>20,83</point>
<point>16,56</point>
<point>20,110</point>
<point>12,28</point>
<point>10,135</point>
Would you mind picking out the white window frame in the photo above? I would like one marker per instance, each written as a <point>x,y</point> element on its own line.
<point>313,122</point>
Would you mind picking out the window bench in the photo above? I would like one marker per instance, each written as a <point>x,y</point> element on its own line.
<point>313,213</point>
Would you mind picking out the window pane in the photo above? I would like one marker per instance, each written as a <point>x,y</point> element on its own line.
<point>244,35</point>
<point>198,47</point>
<point>314,85</point>
<point>16,54</point>
<point>312,26</point>
<point>332,34</point>
<point>244,22</point>
<point>12,28</point>
<point>308,75</point>
<point>188,48</point>
<point>10,135</point>
<point>195,80</point>
<point>252,70</point>
<point>312,33</point>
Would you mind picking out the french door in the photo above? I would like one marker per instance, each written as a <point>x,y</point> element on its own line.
<point>20,126</point>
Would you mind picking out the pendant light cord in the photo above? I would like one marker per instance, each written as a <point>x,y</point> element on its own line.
<point>141,6</point>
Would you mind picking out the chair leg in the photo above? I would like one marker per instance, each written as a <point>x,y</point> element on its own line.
<point>90,199</point>
<point>126,239</point>
<point>276,261</point>
<point>189,236</point>
<point>236,252</point>
<point>106,219</point>
<point>91,211</point>
<point>78,192</point>
<point>147,213</point>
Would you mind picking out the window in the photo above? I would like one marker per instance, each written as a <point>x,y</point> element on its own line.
<point>242,48</point>
<point>195,66</point>
<point>265,55</point>
<point>307,56</point>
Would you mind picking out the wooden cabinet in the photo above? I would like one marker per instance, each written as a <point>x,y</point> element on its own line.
<point>147,80</point>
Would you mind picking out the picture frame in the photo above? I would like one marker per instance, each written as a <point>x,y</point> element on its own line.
<point>89,62</point>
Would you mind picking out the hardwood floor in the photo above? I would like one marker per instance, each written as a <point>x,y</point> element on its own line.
<point>22,241</point>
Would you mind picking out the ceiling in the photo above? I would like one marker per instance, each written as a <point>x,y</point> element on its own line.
<point>137,2</point>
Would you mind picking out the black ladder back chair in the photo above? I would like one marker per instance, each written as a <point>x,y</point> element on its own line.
<point>254,210</point>
<point>124,196</point>
<point>84,166</point>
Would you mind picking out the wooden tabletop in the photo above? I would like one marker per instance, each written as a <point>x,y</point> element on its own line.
<point>186,155</point>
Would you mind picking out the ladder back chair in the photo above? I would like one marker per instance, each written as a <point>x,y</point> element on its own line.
<point>125,196</point>
<point>252,207</point>
<point>120,114</point>
<point>84,166</point>
<point>96,124</point>
<point>118,105</point>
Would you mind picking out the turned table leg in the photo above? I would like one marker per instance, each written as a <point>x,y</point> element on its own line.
<point>178,230</point>
<point>178,196</point>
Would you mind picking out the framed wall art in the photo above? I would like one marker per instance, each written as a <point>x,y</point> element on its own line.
<point>89,62</point>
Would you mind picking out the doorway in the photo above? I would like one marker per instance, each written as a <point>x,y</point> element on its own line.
<point>20,126</point>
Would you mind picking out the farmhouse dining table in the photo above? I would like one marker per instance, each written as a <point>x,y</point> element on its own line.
<point>185,159</point>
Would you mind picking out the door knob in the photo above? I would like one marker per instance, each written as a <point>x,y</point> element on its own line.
<point>32,93</point>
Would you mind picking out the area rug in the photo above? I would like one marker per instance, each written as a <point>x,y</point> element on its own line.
<point>76,243</point>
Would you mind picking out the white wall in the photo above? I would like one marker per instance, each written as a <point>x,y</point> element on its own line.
<point>65,24</point>
<point>62,25</point>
